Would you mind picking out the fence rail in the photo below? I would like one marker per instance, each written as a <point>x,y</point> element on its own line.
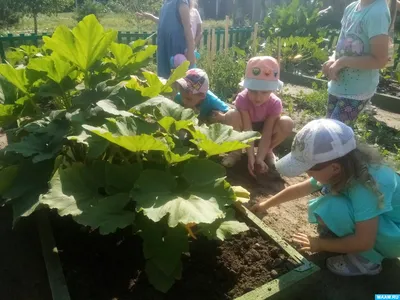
<point>237,37</point>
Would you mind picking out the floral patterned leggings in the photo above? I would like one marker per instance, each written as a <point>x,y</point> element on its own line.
<point>344,109</point>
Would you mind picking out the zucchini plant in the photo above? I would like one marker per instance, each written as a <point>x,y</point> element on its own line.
<point>92,136</point>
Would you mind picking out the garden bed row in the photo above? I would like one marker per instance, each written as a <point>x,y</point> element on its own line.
<point>383,101</point>
<point>253,265</point>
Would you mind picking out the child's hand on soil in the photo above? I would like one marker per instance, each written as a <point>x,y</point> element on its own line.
<point>260,166</point>
<point>217,117</point>
<point>307,243</point>
<point>260,207</point>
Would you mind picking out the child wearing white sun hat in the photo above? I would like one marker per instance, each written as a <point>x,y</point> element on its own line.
<point>363,207</point>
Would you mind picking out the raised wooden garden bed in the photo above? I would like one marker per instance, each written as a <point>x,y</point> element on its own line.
<point>383,101</point>
<point>252,265</point>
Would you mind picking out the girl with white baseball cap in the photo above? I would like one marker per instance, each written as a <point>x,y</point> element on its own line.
<point>362,209</point>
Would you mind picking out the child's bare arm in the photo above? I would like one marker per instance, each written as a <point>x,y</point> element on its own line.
<point>185,17</point>
<point>199,34</point>
<point>247,126</point>
<point>148,16</point>
<point>293,192</point>
<point>266,137</point>
<point>376,60</point>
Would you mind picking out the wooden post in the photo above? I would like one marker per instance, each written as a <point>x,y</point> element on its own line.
<point>255,34</point>
<point>209,43</point>
<point>226,33</point>
<point>213,44</point>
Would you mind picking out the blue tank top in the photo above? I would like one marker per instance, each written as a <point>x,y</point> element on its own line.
<point>170,22</point>
<point>170,36</point>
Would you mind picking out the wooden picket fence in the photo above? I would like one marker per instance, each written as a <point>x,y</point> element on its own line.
<point>218,39</point>
<point>213,40</point>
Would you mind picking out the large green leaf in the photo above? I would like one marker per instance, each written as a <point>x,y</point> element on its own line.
<point>9,114</point>
<point>155,195</point>
<point>84,45</point>
<point>43,144</point>
<point>92,196</point>
<point>181,210</point>
<point>75,189</point>
<point>15,76</point>
<point>178,73</point>
<point>30,179</point>
<point>136,143</point>
<point>22,190</point>
<point>8,92</point>
<point>229,228</point>
<point>159,279</point>
<point>162,267</point>
<point>202,172</point>
<point>122,54</point>
<point>7,176</point>
<point>109,107</point>
<point>224,228</point>
<point>161,107</point>
<point>155,85</point>
<point>218,138</point>
<point>144,55</point>
<point>55,68</point>
<point>26,205</point>
<point>108,214</point>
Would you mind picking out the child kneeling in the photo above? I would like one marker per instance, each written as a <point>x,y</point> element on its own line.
<point>259,109</point>
<point>362,206</point>
<point>194,93</point>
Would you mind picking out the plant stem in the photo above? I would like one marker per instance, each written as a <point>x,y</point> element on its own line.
<point>139,159</point>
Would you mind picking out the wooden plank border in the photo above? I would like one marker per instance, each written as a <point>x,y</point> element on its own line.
<point>55,274</point>
<point>304,269</point>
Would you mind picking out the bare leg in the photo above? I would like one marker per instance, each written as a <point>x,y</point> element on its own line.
<point>234,119</point>
<point>283,128</point>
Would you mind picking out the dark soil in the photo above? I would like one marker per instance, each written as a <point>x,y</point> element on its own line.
<point>389,87</point>
<point>112,267</point>
<point>22,270</point>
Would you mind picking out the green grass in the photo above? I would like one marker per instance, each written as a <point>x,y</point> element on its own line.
<point>116,21</point>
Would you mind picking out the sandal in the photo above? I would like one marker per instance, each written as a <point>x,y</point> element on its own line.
<point>352,265</point>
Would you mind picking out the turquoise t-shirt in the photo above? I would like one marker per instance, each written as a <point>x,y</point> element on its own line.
<point>365,205</point>
<point>210,103</point>
<point>358,27</point>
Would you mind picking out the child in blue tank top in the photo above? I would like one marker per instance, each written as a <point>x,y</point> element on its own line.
<point>361,51</point>
<point>360,217</point>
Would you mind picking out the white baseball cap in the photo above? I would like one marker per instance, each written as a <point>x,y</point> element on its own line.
<point>319,141</point>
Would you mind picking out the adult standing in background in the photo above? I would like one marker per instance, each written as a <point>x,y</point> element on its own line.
<point>173,22</point>
<point>174,34</point>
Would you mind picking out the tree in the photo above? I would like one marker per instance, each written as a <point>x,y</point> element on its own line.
<point>9,12</point>
<point>33,8</point>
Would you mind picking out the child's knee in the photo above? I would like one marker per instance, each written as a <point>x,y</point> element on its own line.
<point>285,125</point>
<point>234,119</point>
